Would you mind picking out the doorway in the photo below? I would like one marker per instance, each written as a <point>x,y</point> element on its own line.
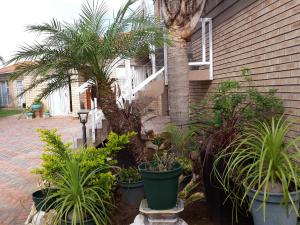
<point>59,102</point>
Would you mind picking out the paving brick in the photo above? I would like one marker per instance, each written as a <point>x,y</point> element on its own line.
<point>20,150</point>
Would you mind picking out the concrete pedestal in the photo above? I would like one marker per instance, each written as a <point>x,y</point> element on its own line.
<point>149,216</point>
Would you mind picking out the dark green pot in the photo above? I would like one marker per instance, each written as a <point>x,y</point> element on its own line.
<point>40,200</point>
<point>160,187</point>
<point>132,193</point>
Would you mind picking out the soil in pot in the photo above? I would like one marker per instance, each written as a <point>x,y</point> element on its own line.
<point>132,193</point>
<point>161,188</point>
<point>220,210</point>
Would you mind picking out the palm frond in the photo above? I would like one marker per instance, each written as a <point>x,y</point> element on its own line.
<point>89,45</point>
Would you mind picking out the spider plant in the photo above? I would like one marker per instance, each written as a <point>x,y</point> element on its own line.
<point>261,159</point>
<point>77,200</point>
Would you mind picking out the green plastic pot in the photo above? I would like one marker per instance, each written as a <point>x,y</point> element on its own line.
<point>46,114</point>
<point>29,115</point>
<point>36,106</point>
<point>161,188</point>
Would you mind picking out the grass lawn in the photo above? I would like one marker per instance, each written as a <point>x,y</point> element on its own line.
<point>9,112</point>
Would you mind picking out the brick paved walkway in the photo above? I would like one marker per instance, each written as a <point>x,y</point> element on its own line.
<point>20,149</point>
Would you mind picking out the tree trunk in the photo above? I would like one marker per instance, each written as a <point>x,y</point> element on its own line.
<point>178,80</point>
<point>122,120</point>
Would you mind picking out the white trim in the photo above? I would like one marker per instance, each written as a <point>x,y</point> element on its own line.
<point>146,81</point>
<point>198,63</point>
<point>203,41</point>
<point>204,61</point>
<point>211,74</point>
<point>166,63</point>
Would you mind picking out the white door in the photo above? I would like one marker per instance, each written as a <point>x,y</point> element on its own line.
<point>59,102</point>
<point>19,88</point>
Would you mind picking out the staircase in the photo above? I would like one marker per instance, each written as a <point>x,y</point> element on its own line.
<point>151,93</point>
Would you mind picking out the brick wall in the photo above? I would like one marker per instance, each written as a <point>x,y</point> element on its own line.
<point>31,95</point>
<point>264,37</point>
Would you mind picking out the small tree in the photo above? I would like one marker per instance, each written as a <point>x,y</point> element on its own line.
<point>88,49</point>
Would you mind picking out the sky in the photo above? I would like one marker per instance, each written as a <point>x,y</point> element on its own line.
<point>16,14</point>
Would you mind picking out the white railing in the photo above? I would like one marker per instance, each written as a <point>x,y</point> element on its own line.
<point>97,117</point>
<point>147,81</point>
<point>129,96</point>
<point>209,62</point>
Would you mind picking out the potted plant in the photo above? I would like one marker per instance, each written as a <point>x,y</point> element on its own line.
<point>39,198</point>
<point>29,113</point>
<point>182,143</point>
<point>265,164</point>
<point>46,113</point>
<point>160,179</point>
<point>218,120</point>
<point>131,186</point>
<point>75,174</point>
<point>77,200</point>
<point>36,105</point>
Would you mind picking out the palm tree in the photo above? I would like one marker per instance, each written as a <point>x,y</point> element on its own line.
<point>181,18</point>
<point>90,47</point>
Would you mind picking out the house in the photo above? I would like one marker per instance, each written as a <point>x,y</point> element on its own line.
<point>70,99</point>
<point>10,89</point>
<point>59,102</point>
<point>262,35</point>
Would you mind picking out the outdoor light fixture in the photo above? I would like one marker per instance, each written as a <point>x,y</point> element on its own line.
<point>83,117</point>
